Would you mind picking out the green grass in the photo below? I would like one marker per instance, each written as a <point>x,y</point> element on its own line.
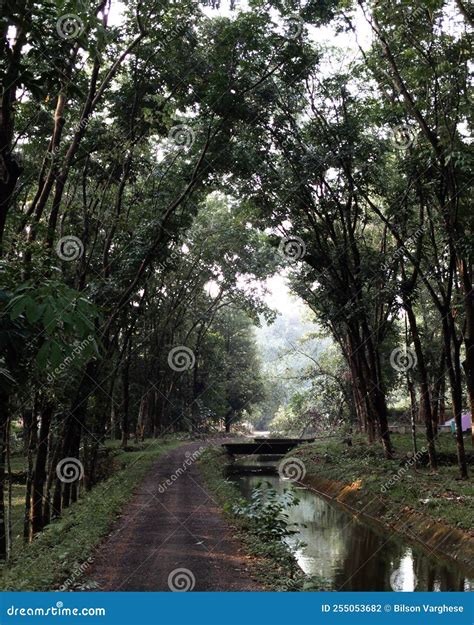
<point>18,464</point>
<point>441,495</point>
<point>65,545</point>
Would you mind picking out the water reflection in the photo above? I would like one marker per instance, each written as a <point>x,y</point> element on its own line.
<point>355,556</point>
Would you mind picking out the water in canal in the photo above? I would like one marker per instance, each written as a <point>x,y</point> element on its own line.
<point>355,556</point>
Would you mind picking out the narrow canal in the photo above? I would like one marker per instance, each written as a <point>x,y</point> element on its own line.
<point>351,554</point>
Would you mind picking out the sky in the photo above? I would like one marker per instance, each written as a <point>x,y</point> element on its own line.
<point>280,298</point>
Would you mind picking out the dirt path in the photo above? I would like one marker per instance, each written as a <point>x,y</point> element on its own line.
<point>180,528</point>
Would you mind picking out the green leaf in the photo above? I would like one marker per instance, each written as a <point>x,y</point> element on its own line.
<point>17,306</point>
<point>33,310</point>
<point>49,319</point>
<point>56,355</point>
<point>43,355</point>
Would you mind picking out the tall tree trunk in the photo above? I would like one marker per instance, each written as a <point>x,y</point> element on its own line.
<point>11,70</point>
<point>71,434</point>
<point>31,432</point>
<point>454,373</point>
<point>425,400</point>
<point>468,364</point>
<point>228,420</point>
<point>39,476</point>
<point>438,395</point>
<point>413,409</point>
<point>126,400</point>
<point>55,445</point>
<point>4,408</point>
<point>358,365</point>
<point>376,391</point>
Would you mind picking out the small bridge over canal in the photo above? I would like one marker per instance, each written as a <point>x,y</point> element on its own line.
<point>263,446</point>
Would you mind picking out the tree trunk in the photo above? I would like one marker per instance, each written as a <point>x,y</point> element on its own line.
<point>126,401</point>
<point>228,420</point>
<point>454,371</point>
<point>438,395</point>
<point>468,364</point>
<point>9,169</point>
<point>376,394</point>
<point>31,433</point>
<point>411,390</point>
<point>55,458</point>
<point>39,476</point>
<point>4,407</point>
<point>425,400</point>
<point>72,433</point>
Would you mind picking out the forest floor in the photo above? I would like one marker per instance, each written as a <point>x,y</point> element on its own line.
<point>172,536</point>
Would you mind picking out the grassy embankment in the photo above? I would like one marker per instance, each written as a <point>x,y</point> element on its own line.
<point>65,545</point>
<point>440,495</point>
<point>433,509</point>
